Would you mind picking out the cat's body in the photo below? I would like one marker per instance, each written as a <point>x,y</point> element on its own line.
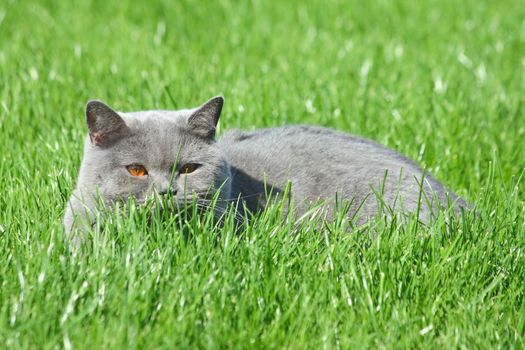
<point>320,163</point>
<point>137,154</point>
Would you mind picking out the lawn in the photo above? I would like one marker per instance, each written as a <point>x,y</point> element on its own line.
<point>441,81</point>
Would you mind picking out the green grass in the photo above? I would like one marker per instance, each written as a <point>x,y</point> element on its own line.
<point>440,81</point>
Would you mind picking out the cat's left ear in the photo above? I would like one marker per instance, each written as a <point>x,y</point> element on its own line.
<point>203,121</point>
<point>105,125</point>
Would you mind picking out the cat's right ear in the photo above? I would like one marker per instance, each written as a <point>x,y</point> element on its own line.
<point>204,119</point>
<point>104,124</point>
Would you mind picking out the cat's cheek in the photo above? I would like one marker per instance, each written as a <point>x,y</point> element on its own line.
<point>130,187</point>
<point>143,191</point>
<point>183,183</point>
<point>186,185</point>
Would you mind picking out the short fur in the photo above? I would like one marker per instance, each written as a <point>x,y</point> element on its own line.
<point>319,163</point>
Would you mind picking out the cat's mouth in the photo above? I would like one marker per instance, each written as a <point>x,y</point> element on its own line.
<point>172,205</point>
<point>184,207</point>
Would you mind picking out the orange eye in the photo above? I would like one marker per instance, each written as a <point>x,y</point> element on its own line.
<point>137,170</point>
<point>188,168</point>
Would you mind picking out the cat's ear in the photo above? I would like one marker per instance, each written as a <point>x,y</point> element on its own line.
<point>204,120</point>
<point>104,124</point>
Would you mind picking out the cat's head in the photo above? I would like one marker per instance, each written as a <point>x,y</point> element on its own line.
<point>141,153</point>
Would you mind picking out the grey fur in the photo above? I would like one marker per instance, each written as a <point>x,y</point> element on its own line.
<point>318,162</point>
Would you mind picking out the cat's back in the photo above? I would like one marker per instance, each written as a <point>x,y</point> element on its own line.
<point>320,162</point>
<point>303,143</point>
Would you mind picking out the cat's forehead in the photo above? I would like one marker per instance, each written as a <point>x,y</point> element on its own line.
<point>157,124</point>
<point>153,118</point>
<point>157,136</point>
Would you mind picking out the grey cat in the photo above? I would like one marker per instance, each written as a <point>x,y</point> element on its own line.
<point>175,152</point>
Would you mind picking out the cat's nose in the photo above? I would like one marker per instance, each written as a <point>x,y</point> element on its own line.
<point>168,191</point>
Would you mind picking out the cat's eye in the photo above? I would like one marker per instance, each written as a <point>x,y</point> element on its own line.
<point>188,168</point>
<point>137,170</point>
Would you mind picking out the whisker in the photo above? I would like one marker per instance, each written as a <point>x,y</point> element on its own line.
<point>219,206</point>
<point>207,204</point>
<point>203,195</point>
